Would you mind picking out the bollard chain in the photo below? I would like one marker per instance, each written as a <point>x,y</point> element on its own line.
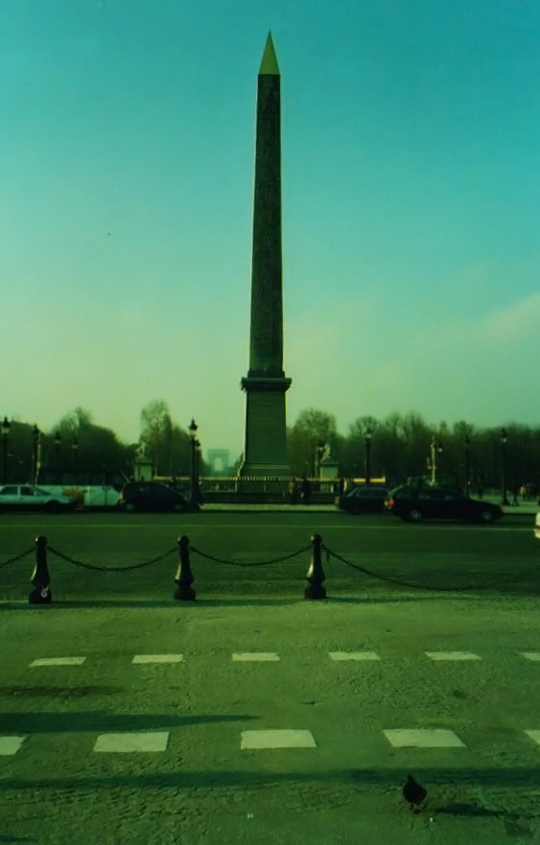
<point>399,582</point>
<point>247,563</point>
<point>14,559</point>
<point>112,568</point>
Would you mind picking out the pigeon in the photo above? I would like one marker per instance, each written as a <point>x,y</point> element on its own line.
<point>414,793</point>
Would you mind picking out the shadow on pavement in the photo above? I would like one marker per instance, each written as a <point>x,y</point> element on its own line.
<point>103,721</point>
<point>384,777</point>
<point>59,604</point>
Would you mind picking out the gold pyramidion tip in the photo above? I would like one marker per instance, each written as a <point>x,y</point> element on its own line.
<point>269,65</point>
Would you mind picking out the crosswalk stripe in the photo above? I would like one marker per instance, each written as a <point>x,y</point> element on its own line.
<point>277,739</point>
<point>262,656</point>
<point>423,738</point>
<point>148,741</point>
<point>58,661</point>
<point>452,655</point>
<point>158,658</point>
<point>353,655</point>
<point>10,744</point>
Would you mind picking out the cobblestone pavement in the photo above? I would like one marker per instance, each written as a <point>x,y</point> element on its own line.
<point>289,724</point>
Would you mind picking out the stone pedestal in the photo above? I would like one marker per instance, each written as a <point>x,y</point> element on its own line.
<point>143,470</point>
<point>329,475</point>
<point>265,451</point>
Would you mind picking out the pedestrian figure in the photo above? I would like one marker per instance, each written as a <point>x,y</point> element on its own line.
<point>515,494</point>
<point>306,490</point>
<point>293,491</point>
<point>480,491</point>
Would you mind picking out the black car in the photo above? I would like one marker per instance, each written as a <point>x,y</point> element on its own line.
<point>413,504</point>
<point>151,496</point>
<point>366,499</point>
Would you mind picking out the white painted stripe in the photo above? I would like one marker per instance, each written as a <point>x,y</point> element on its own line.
<point>277,739</point>
<point>531,655</point>
<point>58,661</point>
<point>534,735</point>
<point>132,742</point>
<point>10,745</point>
<point>437,738</point>
<point>158,658</point>
<point>452,655</point>
<point>256,655</point>
<point>353,655</point>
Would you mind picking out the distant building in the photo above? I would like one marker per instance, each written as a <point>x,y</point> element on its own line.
<point>218,460</point>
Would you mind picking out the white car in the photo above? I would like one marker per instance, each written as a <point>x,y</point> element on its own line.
<point>537,527</point>
<point>26,497</point>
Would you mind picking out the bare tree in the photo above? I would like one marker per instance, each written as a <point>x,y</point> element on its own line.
<point>156,430</point>
<point>311,428</point>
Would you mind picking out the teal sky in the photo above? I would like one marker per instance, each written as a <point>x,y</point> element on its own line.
<point>411,188</point>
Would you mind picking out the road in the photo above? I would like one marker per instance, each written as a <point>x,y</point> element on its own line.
<point>162,725</point>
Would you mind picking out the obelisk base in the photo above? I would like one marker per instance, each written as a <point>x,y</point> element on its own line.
<point>265,452</point>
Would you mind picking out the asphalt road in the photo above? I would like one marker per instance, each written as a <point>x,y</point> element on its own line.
<point>500,560</point>
<point>252,715</point>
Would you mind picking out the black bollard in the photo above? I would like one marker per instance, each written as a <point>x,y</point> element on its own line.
<point>40,576</point>
<point>315,574</point>
<point>184,575</point>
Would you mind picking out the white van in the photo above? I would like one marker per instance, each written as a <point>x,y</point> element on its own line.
<point>90,496</point>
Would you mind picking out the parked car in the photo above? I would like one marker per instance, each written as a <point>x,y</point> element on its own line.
<point>151,496</point>
<point>413,504</point>
<point>27,497</point>
<point>365,499</point>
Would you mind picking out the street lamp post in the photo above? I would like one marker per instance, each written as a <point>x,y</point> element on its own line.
<point>198,453</point>
<point>5,435</point>
<point>504,440</point>
<point>36,434</point>
<point>467,444</point>
<point>57,440</point>
<point>194,497</point>
<point>367,444</point>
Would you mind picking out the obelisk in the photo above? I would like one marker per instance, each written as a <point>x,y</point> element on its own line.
<point>265,449</point>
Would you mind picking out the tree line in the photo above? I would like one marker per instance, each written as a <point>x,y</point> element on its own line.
<point>400,447</point>
<point>99,448</point>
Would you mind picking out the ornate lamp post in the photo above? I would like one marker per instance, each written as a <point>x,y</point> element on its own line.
<point>5,435</point>
<point>194,497</point>
<point>198,453</point>
<point>367,445</point>
<point>504,440</point>
<point>36,436</point>
<point>57,440</point>
<point>466,444</point>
